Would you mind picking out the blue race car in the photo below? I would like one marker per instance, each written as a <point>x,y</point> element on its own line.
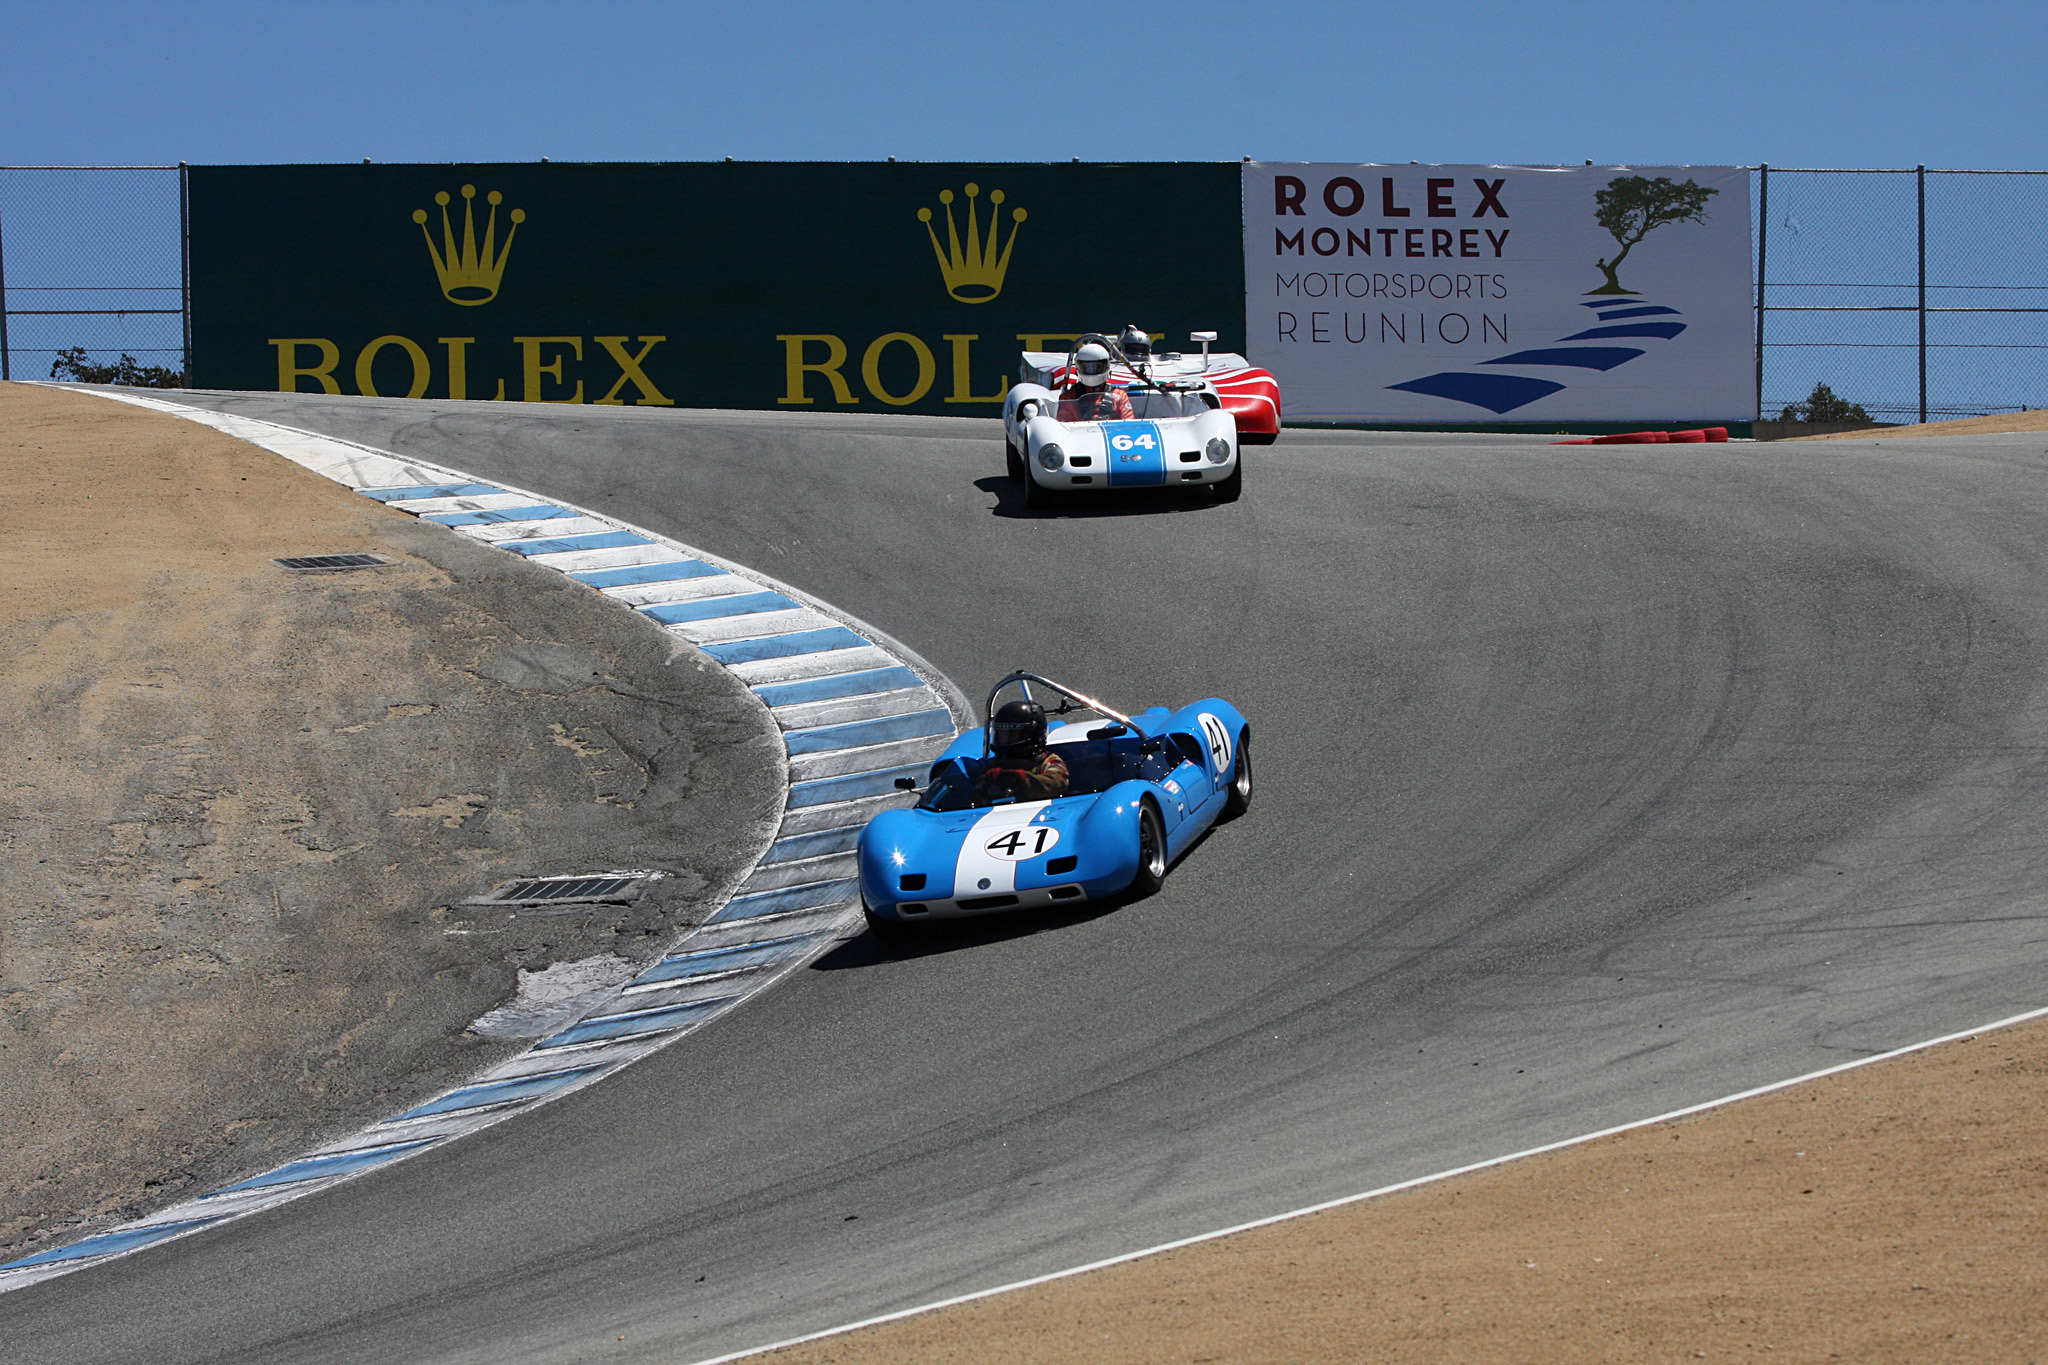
<point>1019,815</point>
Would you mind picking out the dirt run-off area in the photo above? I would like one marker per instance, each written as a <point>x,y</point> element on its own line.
<point>1994,425</point>
<point>1891,1214</point>
<point>240,807</point>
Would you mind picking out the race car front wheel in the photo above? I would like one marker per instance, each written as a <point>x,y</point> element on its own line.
<point>1151,853</point>
<point>1037,496</point>
<point>893,933</point>
<point>1012,460</point>
<point>1232,488</point>
<point>1239,798</point>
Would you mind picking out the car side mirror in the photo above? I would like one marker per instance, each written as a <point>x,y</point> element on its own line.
<point>1109,732</point>
<point>906,784</point>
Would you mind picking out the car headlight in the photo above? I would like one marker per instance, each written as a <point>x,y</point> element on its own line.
<point>1219,450</point>
<point>1051,456</point>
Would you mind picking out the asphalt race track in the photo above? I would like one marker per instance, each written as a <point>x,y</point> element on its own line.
<point>1593,782</point>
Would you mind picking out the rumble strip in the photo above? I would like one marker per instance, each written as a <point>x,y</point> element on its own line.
<point>856,711</point>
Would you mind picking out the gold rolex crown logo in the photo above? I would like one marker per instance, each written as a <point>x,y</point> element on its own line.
<point>974,275</point>
<point>469,277</point>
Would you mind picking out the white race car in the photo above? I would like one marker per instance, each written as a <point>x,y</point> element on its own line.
<point>1183,426</point>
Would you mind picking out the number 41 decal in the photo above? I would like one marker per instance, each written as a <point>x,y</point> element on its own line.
<point>1014,846</point>
<point>1219,743</point>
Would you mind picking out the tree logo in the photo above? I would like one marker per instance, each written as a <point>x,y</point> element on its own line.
<point>1632,206</point>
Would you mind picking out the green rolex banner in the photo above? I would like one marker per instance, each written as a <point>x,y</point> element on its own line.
<point>855,287</point>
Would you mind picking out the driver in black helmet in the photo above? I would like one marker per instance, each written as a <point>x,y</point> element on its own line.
<point>1021,766</point>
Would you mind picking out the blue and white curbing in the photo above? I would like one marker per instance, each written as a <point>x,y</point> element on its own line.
<point>856,710</point>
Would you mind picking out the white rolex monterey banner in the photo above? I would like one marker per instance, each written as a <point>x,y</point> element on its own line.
<point>1460,294</point>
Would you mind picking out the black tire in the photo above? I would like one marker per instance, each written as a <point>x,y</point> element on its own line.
<point>1037,496</point>
<point>1232,488</point>
<point>893,933</point>
<point>1013,461</point>
<point>1151,853</point>
<point>1237,798</point>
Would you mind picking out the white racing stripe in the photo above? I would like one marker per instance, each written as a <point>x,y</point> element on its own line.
<point>979,873</point>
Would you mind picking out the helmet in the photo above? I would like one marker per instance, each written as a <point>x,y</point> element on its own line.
<point>1018,730</point>
<point>1091,364</point>
<point>1135,343</point>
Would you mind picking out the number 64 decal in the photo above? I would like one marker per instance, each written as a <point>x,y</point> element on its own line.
<point>1123,440</point>
<point>1014,846</point>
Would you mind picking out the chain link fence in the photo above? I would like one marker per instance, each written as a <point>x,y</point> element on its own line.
<point>92,269</point>
<point>1916,294</point>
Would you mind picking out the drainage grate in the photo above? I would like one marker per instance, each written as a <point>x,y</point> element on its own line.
<point>331,563</point>
<point>613,887</point>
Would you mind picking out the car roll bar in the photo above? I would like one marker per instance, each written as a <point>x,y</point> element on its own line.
<point>1143,378</point>
<point>1023,680</point>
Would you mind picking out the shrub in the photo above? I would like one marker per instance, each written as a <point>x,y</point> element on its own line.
<point>74,364</point>
<point>1822,405</point>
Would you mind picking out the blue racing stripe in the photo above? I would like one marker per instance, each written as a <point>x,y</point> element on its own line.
<point>711,608</point>
<point>809,896</point>
<point>411,491</point>
<point>314,1167</point>
<point>784,646</point>
<point>497,1092</point>
<point>498,515</point>
<point>856,733</point>
<point>852,786</point>
<point>125,1239</point>
<point>647,573</point>
<point>838,685</point>
<point>596,540</point>
<point>637,1022</point>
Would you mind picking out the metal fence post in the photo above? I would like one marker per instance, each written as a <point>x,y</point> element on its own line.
<point>6,365</point>
<point>1920,177</point>
<point>1763,238</point>
<point>185,265</point>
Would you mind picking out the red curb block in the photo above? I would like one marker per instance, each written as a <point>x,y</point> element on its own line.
<point>1645,438</point>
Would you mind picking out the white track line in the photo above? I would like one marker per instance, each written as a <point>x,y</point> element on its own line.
<point>1327,1205</point>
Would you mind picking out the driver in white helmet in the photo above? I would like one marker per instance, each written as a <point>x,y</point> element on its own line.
<point>1088,395</point>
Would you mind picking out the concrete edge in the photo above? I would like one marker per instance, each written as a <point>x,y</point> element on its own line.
<point>866,709</point>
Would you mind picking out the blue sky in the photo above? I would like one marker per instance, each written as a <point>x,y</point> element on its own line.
<point>1816,84</point>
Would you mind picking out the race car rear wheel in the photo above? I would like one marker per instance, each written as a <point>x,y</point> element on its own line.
<point>1239,797</point>
<point>1232,488</point>
<point>1012,460</point>
<point>1151,852</point>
